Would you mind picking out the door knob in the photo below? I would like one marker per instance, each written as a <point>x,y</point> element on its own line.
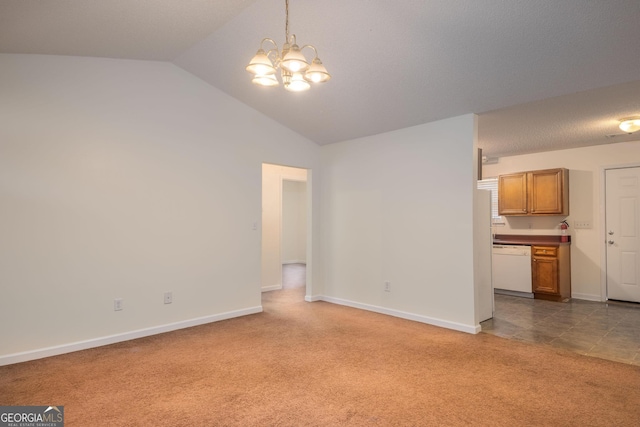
<point>611,233</point>
<point>611,242</point>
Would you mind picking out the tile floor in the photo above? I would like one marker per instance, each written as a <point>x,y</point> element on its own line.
<point>608,330</point>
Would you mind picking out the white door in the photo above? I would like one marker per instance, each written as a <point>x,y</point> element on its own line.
<point>623,233</point>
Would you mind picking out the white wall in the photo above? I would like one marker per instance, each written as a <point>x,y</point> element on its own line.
<point>585,197</point>
<point>398,207</point>
<point>294,221</point>
<point>126,179</point>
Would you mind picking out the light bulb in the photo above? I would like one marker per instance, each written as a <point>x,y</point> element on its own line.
<point>316,78</point>
<point>294,66</point>
<point>294,60</point>
<point>265,80</point>
<point>316,72</point>
<point>297,83</point>
<point>260,64</point>
<point>630,125</point>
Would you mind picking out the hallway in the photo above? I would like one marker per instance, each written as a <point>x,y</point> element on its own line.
<point>294,276</point>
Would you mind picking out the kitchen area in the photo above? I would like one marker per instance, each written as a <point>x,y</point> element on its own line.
<point>532,274</point>
<point>534,266</point>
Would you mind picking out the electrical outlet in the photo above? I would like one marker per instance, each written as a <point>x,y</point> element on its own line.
<point>168,297</point>
<point>582,224</point>
<point>118,304</point>
<point>387,286</point>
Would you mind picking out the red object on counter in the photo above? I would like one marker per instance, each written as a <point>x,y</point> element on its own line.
<point>563,227</point>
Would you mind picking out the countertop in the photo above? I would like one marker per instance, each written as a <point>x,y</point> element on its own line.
<point>527,239</point>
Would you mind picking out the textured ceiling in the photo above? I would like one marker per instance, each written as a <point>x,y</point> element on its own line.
<point>542,75</point>
<point>133,29</point>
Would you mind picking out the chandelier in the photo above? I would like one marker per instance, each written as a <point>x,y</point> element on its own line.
<point>295,72</point>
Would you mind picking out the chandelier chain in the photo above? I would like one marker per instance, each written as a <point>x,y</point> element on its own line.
<point>286,22</point>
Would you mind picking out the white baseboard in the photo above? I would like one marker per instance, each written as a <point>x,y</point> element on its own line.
<point>471,329</point>
<point>586,297</point>
<point>112,339</point>
<point>513,293</point>
<point>271,288</point>
<point>313,298</point>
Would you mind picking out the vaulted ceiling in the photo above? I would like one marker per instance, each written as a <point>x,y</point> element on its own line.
<point>542,75</point>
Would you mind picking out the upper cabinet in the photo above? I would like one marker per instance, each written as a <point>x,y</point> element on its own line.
<point>512,194</point>
<point>542,192</point>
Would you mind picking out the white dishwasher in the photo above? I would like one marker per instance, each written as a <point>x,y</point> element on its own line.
<point>511,270</point>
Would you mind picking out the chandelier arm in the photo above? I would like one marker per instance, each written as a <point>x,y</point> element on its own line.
<point>315,51</point>
<point>290,40</point>
<point>275,51</point>
<point>267,39</point>
<point>276,56</point>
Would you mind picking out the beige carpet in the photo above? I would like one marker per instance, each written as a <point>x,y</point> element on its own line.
<point>319,364</point>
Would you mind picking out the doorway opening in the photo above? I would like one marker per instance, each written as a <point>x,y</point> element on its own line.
<point>286,236</point>
<point>294,276</point>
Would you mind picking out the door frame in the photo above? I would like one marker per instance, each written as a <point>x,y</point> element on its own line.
<point>603,223</point>
<point>309,225</point>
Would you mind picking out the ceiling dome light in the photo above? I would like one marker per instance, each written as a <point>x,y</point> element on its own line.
<point>296,72</point>
<point>630,124</point>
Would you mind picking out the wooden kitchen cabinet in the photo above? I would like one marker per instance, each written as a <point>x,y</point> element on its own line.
<point>512,194</point>
<point>541,192</point>
<point>551,272</point>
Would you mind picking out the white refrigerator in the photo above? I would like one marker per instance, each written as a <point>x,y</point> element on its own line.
<point>482,248</point>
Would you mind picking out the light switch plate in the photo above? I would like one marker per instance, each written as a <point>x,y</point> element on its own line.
<point>582,224</point>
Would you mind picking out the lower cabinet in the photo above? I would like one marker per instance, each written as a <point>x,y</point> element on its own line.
<point>551,272</point>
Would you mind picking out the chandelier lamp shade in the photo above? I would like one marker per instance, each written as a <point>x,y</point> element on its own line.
<point>296,72</point>
<point>630,124</point>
